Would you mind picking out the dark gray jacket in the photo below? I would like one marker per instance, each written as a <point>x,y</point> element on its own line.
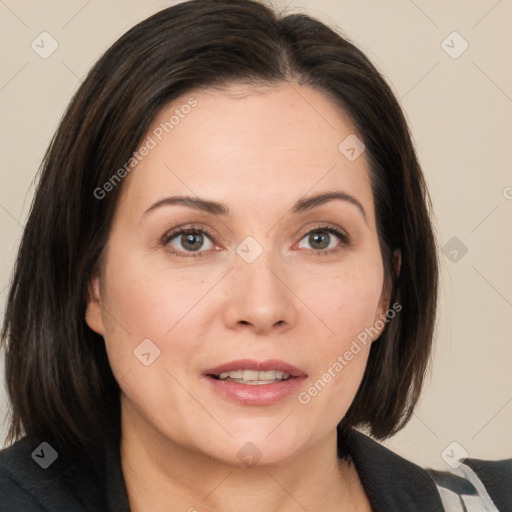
<point>392,483</point>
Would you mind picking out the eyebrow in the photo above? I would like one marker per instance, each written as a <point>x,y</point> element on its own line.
<point>216,208</point>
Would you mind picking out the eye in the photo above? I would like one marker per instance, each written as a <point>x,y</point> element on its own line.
<point>324,239</point>
<point>191,240</point>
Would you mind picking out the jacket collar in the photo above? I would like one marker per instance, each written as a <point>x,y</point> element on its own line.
<point>391,482</point>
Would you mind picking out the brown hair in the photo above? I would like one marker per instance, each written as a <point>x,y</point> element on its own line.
<point>58,376</point>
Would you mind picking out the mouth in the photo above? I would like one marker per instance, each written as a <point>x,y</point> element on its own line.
<point>253,382</point>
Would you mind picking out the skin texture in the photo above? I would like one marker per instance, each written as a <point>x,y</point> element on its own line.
<point>258,151</point>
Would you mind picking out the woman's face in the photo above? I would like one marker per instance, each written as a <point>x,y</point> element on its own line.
<point>261,283</point>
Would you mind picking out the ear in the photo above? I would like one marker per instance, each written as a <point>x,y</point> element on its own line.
<point>94,310</point>
<point>385,298</point>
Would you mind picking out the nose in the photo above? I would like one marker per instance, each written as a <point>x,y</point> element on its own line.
<point>258,296</point>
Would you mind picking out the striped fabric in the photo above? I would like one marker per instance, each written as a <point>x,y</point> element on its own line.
<point>462,491</point>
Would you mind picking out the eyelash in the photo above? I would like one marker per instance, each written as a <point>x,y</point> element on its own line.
<point>345,240</point>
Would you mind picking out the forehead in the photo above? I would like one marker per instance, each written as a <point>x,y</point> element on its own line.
<point>249,147</point>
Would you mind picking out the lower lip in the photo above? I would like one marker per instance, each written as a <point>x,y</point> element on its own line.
<point>256,394</point>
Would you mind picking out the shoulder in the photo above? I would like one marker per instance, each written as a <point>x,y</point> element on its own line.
<point>390,481</point>
<point>35,477</point>
<point>394,483</point>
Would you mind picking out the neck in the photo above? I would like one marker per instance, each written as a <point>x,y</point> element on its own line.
<point>162,475</point>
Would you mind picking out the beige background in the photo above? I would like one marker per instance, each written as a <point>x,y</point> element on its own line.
<point>460,113</point>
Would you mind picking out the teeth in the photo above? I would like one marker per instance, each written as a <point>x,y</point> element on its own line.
<point>268,375</point>
<point>254,376</point>
<point>233,375</point>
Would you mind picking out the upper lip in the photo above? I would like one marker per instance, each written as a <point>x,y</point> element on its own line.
<point>259,366</point>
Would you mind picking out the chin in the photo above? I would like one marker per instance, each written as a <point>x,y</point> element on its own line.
<point>262,449</point>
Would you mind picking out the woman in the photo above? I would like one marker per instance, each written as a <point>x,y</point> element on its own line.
<point>228,266</point>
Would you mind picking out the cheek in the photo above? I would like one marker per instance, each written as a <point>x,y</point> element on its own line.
<point>149,338</point>
<point>143,302</point>
<point>348,304</point>
<point>149,298</point>
<point>351,300</point>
